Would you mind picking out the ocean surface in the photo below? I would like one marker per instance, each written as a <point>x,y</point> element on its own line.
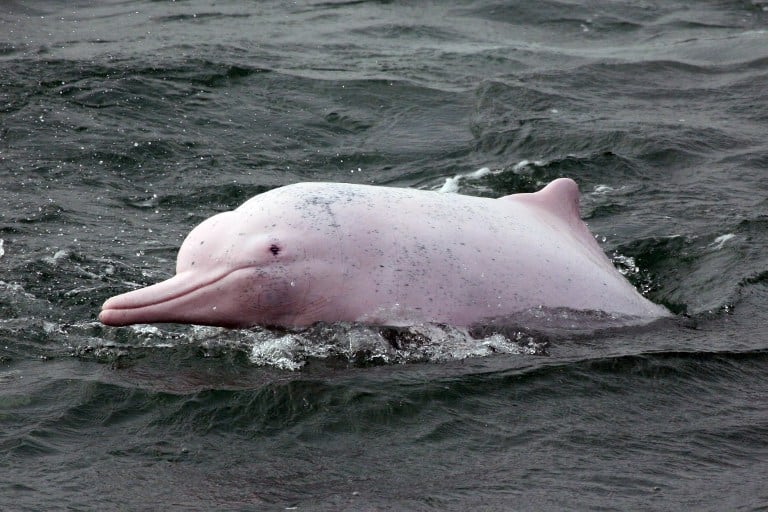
<point>123,124</point>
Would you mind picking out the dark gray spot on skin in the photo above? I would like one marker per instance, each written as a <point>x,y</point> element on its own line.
<point>274,249</point>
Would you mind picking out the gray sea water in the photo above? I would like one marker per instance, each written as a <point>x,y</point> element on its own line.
<point>125,123</point>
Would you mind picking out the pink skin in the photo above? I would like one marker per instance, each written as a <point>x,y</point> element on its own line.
<point>338,252</point>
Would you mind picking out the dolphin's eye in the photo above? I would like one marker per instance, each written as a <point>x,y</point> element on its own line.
<point>274,249</point>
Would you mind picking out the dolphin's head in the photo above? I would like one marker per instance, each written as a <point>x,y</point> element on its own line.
<point>236,269</point>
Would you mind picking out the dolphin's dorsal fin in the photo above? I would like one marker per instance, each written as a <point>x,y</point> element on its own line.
<point>560,197</point>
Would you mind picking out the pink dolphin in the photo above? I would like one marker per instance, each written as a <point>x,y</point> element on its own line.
<point>333,252</point>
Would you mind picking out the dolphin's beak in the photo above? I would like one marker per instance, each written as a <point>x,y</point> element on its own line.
<point>185,298</point>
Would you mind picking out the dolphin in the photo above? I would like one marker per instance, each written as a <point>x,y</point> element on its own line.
<point>337,252</point>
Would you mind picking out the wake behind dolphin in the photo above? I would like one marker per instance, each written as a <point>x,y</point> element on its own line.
<point>335,252</point>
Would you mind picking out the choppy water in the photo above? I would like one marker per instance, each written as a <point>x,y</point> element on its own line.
<point>124,124</point>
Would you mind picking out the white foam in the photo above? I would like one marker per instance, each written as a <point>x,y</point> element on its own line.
<point>479,173</point>
<point>146,330</point>
<point>278,352</point>
<point>720,241</point>
<point>451,185</point>
<point>56,258</point>
<point>603,189</point>
<point>628,266</point>
<point>523,165</point>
